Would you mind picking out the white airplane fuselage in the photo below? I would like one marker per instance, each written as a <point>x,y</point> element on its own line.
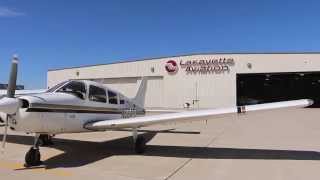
<point>60,112</point>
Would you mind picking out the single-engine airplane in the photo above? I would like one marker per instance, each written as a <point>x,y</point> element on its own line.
<point>77,106</point>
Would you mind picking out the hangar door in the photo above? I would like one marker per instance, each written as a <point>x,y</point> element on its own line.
<point>273,87</point>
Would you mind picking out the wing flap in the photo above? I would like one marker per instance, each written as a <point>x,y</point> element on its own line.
<point>191,115</point>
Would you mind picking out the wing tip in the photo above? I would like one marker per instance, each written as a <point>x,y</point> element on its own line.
<point>310,102</point>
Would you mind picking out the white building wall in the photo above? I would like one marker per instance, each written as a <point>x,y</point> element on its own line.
<point>172,91</point>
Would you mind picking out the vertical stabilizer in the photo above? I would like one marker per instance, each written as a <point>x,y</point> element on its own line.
<point>139,99</point>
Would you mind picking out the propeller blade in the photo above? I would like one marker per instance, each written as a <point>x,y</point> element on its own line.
<point>13,77</point>
<point>4,138</point>
<point>10,104</point>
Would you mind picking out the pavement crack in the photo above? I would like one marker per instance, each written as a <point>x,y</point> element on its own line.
<point>220,134</point>
<point>178,169</point>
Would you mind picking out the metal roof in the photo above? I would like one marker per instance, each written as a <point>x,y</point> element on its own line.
<point>183,55</point>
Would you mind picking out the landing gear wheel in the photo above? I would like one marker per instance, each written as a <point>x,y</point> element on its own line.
<point>32,157</point>
<point>140,145</point>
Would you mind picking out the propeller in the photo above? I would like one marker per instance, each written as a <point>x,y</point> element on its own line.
<point>9,104</point>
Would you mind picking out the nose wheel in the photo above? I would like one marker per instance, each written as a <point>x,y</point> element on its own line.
<point>33,156</point>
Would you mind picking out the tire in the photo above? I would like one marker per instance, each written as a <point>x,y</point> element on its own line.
<point>32,157</point>
<point>140,145</point>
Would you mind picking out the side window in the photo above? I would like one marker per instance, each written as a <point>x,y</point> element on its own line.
<point>122,101</point>
<point>76,88</point>
<point>97,94</point>
<point>113,98</point>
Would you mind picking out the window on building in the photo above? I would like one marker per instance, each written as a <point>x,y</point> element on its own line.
<point>113,97</point>
<point>97,94</point>
<point>75,88</point>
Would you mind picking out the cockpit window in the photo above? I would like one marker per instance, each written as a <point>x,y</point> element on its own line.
<point>97,94</point>
<point>74,87</point>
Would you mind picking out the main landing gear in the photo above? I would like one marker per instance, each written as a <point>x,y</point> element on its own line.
<point>139,142</point>
<point>33,157</point>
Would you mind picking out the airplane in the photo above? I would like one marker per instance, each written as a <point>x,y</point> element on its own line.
<point>78,106</point>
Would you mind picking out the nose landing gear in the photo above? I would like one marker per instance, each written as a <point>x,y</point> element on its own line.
<point>33,157</point>
<point>45,140</point>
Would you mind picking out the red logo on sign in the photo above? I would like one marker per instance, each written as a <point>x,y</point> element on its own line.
<point>171,66</point>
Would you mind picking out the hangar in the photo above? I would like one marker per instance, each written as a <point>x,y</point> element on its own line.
<point>5,86</point>
<point>208,80</point>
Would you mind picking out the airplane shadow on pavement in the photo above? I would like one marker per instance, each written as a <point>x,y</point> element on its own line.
<point>78,153</point>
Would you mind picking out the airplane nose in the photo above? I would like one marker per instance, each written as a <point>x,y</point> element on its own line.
<point>9,105</point>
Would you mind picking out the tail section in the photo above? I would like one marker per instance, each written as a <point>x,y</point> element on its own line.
<point>139,99</point>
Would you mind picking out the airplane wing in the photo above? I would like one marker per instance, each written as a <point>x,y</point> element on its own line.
<point>138,122</point>
<point>23,92</point>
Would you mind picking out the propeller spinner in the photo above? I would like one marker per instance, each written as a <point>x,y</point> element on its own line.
<point>9,104</point>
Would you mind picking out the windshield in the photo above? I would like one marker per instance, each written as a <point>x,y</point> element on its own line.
<point>56,86</point>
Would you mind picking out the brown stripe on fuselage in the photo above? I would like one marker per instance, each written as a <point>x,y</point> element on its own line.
<point>71,111</point>
<point>38,107</point>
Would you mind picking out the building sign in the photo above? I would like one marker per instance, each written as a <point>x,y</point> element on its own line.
<point>208,66</point>
<point>172,66</point>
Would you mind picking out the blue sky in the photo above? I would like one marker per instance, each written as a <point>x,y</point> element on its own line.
<point>51,34</point>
